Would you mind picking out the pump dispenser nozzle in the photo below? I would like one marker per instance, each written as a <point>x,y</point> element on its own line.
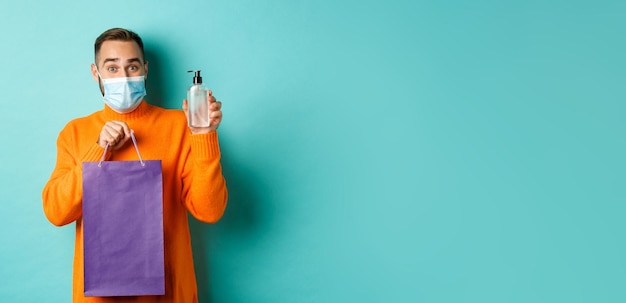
<point>197,79</point>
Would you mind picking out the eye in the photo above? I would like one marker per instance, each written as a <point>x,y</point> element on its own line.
<point>133,68</point>
<point>111,69</point>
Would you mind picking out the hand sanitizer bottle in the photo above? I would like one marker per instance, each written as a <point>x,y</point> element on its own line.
<point>198,106</point>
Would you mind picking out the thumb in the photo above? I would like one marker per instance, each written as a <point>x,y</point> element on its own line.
<point>185,105</point>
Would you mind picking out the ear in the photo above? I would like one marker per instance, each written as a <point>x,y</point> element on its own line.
<point>94,73</point>
<point>145,66</point>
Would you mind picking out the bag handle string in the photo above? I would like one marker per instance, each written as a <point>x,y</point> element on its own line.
<point>132,136</point>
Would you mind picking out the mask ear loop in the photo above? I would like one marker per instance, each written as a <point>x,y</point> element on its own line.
<point>98,71</point>
<point>99,79</point>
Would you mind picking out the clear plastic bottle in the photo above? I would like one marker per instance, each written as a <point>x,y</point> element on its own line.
<point>198,107</point>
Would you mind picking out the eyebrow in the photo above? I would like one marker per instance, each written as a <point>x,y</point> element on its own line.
<point>118,59</point>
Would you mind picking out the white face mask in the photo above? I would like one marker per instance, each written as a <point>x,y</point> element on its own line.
<point>124,94</point>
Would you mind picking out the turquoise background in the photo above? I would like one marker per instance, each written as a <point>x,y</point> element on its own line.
<point>375,151</point>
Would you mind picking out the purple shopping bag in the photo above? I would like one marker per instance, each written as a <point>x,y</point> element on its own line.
<point>123,227</point>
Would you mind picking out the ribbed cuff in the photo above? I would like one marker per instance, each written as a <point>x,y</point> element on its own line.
<point>205,146</point>
<point>94,154</point>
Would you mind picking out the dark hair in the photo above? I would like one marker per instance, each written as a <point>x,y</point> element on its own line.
<point>119,34</point>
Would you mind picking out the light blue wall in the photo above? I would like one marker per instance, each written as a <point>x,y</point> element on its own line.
<point>376,151</point>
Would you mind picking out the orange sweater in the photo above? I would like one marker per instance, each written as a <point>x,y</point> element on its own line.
<point>192,181</point>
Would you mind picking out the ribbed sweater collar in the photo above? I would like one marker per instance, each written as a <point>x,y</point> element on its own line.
<point>141,110</point>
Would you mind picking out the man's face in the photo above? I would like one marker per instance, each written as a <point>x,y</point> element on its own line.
<point>119,59</point>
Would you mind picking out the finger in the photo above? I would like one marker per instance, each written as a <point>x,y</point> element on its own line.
<point>109,134</point>
<point>118,131</point>
<point>216,118</point>
<point>216,115</point>
<point>216,106</point>
<point>107,137</point>
<point>122,129</point>
<point>119,125</point>
<point>185,105</point>
<point>211,99</point>
<point>126,130</point>
<point>113,128</point>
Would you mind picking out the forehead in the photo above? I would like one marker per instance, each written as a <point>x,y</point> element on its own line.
<point>121,50</point>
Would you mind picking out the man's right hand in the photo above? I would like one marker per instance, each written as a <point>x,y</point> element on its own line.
<point>115,133</point>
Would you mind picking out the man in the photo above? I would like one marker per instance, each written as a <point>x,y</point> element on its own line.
<point>192,173</point>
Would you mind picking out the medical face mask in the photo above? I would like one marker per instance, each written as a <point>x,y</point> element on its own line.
<point>124,94</point>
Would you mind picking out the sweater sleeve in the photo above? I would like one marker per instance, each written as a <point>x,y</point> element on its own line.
<point>62,195</point>
<point>204,188</point>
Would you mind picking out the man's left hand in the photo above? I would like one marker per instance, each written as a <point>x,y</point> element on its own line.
<point>215,115</point>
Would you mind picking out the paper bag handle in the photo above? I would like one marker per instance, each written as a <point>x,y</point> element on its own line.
<point>132,136</point>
